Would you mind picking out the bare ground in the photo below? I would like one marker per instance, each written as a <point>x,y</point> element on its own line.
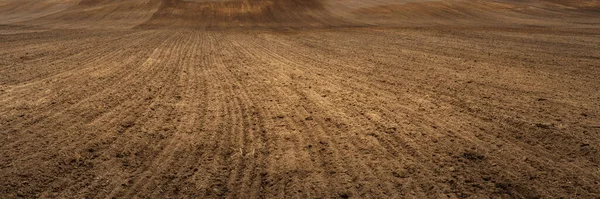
<point>492,100</point>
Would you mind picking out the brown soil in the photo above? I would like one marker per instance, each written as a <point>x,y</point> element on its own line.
<point>299,99</point>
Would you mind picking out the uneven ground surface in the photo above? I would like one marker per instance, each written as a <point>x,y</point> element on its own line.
<point>300,99</point>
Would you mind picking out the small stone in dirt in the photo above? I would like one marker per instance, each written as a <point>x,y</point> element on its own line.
<point>220,190</point>
<point>280,116</point>
<point>127,124</point>
<point>401,173</point>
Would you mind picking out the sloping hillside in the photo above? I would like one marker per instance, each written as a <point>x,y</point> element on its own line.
<point>202,14</point>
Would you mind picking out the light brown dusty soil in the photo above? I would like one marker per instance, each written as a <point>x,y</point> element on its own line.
<point>299,99</point>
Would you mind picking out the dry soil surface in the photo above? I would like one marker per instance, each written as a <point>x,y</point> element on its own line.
<point>299,99</point>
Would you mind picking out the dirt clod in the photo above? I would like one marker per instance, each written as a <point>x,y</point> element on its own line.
<point>471,155</point>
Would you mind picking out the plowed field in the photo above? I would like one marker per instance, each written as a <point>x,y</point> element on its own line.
<point>299,99</point>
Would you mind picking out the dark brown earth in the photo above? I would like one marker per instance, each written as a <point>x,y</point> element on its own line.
<point>299,99</point>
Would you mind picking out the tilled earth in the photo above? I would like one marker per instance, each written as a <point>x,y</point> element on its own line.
<point>305,111</point>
